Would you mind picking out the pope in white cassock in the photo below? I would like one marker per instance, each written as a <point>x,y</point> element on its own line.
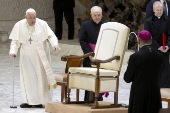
<point>29,33</point>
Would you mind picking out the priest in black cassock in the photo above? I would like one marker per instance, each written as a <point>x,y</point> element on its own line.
<point>157,25</point>
<point>149,8</point>
<point>144,70</point>
<point>88,34</point>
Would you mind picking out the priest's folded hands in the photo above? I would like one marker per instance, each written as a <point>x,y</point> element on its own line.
<point>163,50</point>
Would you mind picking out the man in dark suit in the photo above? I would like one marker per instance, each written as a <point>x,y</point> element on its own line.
<point>144,71</point>
<point>66,7</point>
<point>158,25</point>
<point>149,8</point>
<point>88,34</point>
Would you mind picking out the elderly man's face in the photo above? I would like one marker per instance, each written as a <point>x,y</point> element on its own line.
<point>31,18</point>
<point>96,16</point>
<point>158,9</point>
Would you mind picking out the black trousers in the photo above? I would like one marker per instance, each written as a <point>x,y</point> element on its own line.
<point>90,96</point>
<point>69,16</point>
<point>165,78</point>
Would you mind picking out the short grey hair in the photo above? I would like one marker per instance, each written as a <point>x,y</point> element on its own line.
<point>157,3</point>
<point>97,8</point>
<point>30,10</point>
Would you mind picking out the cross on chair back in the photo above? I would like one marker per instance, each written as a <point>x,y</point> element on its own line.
<point>107,58</point>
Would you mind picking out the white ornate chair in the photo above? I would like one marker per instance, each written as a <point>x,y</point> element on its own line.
<point>107,59</point>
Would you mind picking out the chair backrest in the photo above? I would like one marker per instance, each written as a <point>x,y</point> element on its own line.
<point>73,63</point>
<point>112,40</point>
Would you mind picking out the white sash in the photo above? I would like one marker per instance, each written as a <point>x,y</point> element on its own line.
<point>46,64</point>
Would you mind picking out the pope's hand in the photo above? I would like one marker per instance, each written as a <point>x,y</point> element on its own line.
<point>12,55</point>
<point>57,47</point>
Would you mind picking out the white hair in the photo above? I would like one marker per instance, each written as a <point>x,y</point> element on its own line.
<point>158,3</point>
<point>30,10</point>
<point>96,8</point>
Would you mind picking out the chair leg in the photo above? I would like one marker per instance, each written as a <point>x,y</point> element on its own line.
<point>67,100</point>
<point>77,94</point>
<point>169,103</point>
<point>62,92</point>
<point>65,92</point>
<point>68,95</point>
<point>96,104</point>
<point>116,93</point>
<point>115,98</point>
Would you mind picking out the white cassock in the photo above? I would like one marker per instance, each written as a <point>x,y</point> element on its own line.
<point>35,87</point>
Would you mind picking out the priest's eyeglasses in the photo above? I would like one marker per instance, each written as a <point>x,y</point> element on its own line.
<point>98,15</point>
<point>159,10</point>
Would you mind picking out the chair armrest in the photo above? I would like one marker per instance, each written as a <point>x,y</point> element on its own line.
<point>65,58</point>
<point>104,61</point>
<point>97,62</point>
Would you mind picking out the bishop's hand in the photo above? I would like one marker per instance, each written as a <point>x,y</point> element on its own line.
<point>12,55</point>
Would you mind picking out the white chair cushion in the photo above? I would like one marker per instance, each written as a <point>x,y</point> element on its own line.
<point>87,82</point>
<point>93,71</point>
<point>165,93</point>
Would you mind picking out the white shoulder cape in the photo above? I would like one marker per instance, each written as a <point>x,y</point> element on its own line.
<point>20,31</point>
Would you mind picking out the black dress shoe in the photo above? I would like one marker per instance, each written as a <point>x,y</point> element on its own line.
<point>25,105</point>
<point>38,106</point>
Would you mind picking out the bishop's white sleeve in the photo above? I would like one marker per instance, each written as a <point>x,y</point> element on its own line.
<point>15,44</point>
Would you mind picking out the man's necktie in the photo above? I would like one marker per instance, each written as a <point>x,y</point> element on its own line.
<point>165,9</point>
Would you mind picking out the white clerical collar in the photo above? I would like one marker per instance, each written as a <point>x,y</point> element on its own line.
<point>158,17</point>
<point>144,45</point>
<point>162,1</point>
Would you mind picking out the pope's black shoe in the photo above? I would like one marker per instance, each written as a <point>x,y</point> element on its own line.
<point>25,105</point>
<point>38,106</point>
